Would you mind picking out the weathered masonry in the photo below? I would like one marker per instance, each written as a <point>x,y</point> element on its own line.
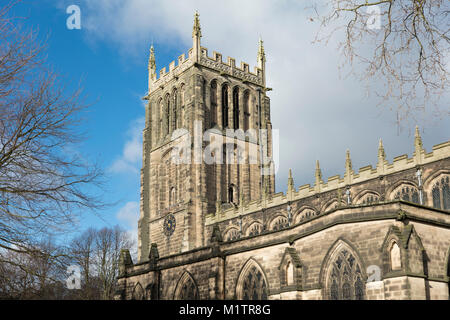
<point>219,231</point>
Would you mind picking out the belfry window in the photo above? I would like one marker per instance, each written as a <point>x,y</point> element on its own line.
<point>167,114</point>
<point>246,111</point>
<point>174,111</point>
<point>236,108</point>
<point>213,103</point>
<point>225,106</point>
<point>441,194</point>
<point>172,196</point>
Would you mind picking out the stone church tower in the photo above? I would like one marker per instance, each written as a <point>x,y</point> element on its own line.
<point>214,110</point>
<point>212,227</point>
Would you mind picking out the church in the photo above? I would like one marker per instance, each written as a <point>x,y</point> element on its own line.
<point>212,226</point>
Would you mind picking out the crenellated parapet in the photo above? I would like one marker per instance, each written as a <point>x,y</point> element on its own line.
<point>198,56</point>
<point>229,67</point>
<point>337,183</point>
<point>175,70</point>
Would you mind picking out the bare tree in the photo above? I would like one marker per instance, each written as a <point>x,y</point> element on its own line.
<point>33,275</point>
<point>405,43</point>
<point>82,251</point>
<point>109,242</point>
<point>43,180</point>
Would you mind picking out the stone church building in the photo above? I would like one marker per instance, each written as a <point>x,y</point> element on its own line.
<point>218,230</point>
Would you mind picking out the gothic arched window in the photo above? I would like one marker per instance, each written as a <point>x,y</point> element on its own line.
<point>232,194</point>
<point>225,106</point>
<point>304,215</point>
<point>280,223</point>
<point>186,289</point>
<point>289,273</point>
<point>138,292</point>
<point>167,114</point>
<point>254,286</point>
<point>369,198</point>
<point>236,108</point>
<point>441,193</point>
<point>174,110</point>
<point>345,280</point>
<point>407,193</point>
<point>232,234</point>
<point>172,196</point>
<point>255,229</point>
<point>213,103</point>
<point>396,262</point>
<point>246,111</point>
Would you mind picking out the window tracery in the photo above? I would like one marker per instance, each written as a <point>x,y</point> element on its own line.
<point>345,279</point>
<point>441,193</point>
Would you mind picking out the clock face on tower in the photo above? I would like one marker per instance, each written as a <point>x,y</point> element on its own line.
<point>169,225</point>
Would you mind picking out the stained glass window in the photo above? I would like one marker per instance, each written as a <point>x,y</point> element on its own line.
<point>255,229</point>
<point>188,290</point>
<point>254,286</point>
<point>280,223</point>
<point>407,193</point>
<point>345,278</point>
<point>441,194</point>
<point>370,198</point>
<point>232,234</point>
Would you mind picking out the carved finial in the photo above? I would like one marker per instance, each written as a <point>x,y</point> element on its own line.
<point>261,55</point>
<point>348,162</point>
<point>318,173</point>
<point>196,31</point>
<point>348,168</point>
<point>418,141</point>
<point>381,153</point>
<point>290,181</point>
<point>152,60</point>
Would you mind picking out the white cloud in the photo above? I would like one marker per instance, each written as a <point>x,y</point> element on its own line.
<point>319,113</point>
<point>129,215</point>
<point>130,160</point>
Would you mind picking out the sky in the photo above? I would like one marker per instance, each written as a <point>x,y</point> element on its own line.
<point>319,111</point>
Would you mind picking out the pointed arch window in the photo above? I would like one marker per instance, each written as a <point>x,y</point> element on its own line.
<point>246,111</point>
<point>213,103</point>
<point>345,280</point>
<point>225,106</point>
<point>396,263</point>
<point>441,193</point>
<point>167,123</point>
<point>174,110</point>
<point>254,286</point>
<point>407,193</point>
<point>232,234</point>
<point>236,108</point>
<point>187,289</point>
<point>232,194</point>
<point>280,223</point>
<point>172,196</point>
<point>289,273</point>
<point>255,229</point>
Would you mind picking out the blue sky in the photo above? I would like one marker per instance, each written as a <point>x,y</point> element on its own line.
<point>319,112</point>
